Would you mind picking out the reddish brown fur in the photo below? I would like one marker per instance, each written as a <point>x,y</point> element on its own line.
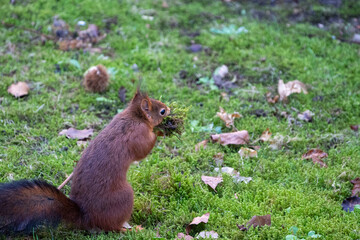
<point>99,186</point>
<point>26,204</point>
<point>96,79</point>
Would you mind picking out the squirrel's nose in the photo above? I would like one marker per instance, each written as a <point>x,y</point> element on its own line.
<point>168,111</point>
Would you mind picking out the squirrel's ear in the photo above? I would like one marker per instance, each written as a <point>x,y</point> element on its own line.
<point>145,105</point>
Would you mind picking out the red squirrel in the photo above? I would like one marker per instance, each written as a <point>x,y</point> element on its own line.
<point>100,196</point>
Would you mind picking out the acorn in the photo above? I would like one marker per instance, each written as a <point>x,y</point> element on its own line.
<point>96,79</point>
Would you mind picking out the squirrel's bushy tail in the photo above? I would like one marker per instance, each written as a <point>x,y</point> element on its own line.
<point>27,204</point>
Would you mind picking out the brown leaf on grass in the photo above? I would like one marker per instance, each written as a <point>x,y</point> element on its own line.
<point>271,99</point>
<point>354,127</point>
<point>316,155</point>
<point>306,116</point>
<point>208,234</point>
<point>356,188</point>
<point>289,88</point>
<point>138,228</point>
<point>235,174</point>
<point>203,219</point>
<point>266,135</point>
<point>247,152</point>
<point>349,203</point>
<point>72,44</point>
<point>256,221</point>
<point>77,134</point>
<point>211,181</point>
<point>227,117</point>
<point>239,137</point>
<point>183,236</point>
<point>19,89</point>
<point>200,145</point>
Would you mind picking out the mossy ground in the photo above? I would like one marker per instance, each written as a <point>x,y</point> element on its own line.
<point>168,189</point>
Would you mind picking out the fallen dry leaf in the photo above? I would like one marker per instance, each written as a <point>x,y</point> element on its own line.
<point>77,134</point>
<point>266,135</point>
<point>227,117</point>
<point>19,89</point>
<point>247,152</point>
<point>200,145</point>
<point>256,221</point>
<point>354,127</point>
<point>306,116</point>
<point>211,181</point>
<point>349,203</point>
<point>235,174</point>
<point>183,236</point>
<point>287,89</point>
<point>271,99</point>
<point>356,188</point>
<point>239,137</point>
<point>316,155</point>
<point>206,234</point>
<point>138,228</point>
<point>203,219</point>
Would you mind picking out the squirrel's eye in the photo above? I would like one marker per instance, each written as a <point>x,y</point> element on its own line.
<point>162,111</point>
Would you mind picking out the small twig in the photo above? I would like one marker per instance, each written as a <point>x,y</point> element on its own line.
<point>8,25</point>
<point>66,181</point>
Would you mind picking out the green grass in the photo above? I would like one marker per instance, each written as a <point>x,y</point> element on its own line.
<point>168,189</point>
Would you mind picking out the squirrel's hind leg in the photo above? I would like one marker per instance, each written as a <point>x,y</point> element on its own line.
<point>111,213</point>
